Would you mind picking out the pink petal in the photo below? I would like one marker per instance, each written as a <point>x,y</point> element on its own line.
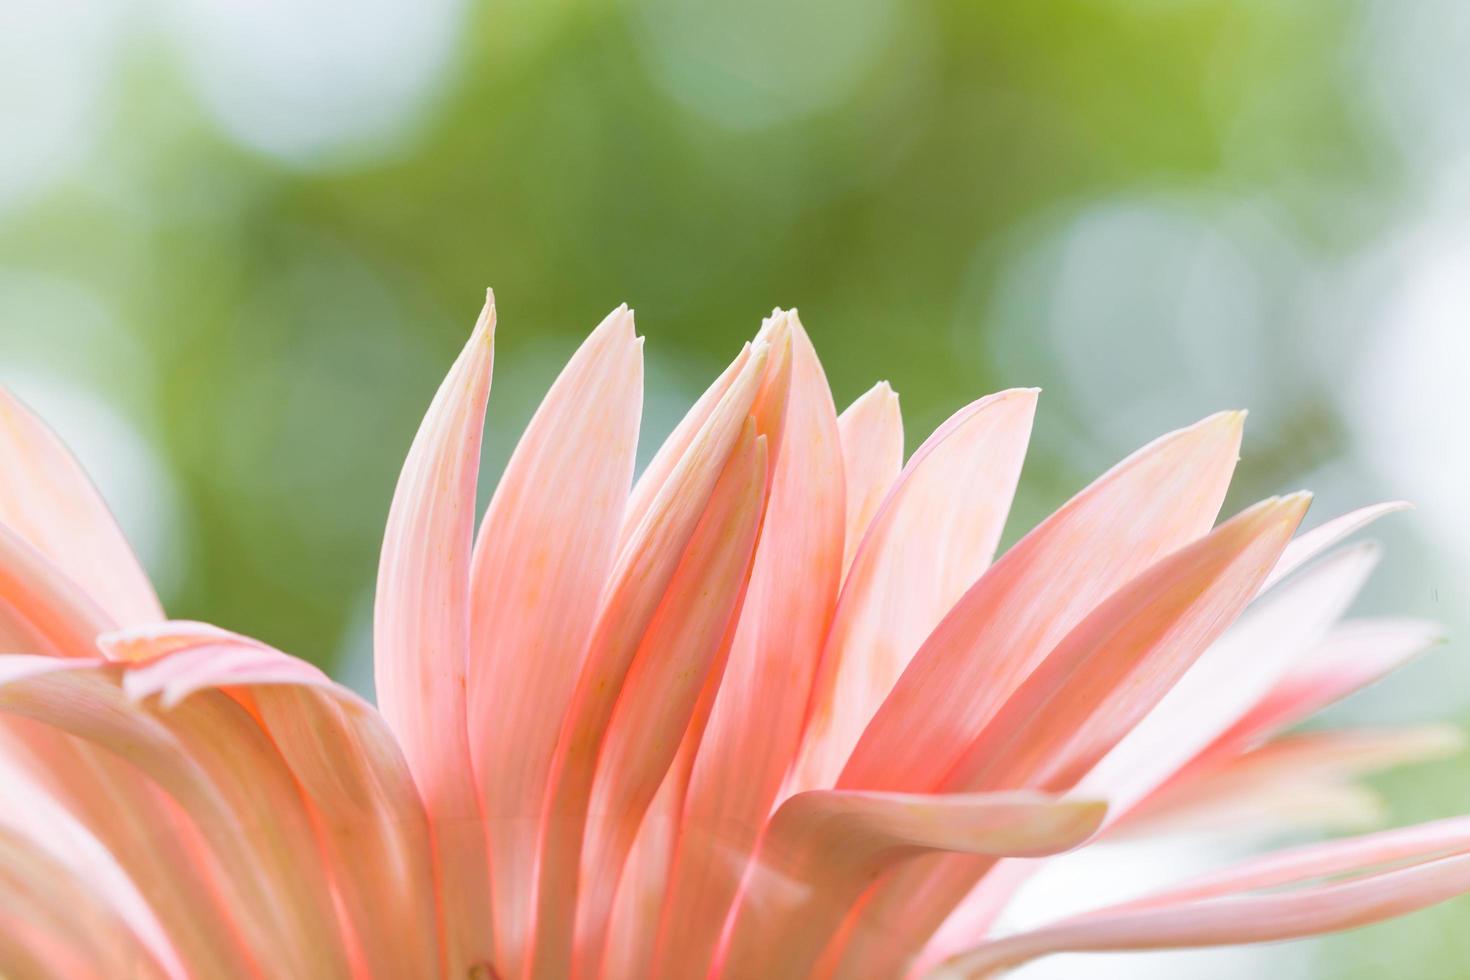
<point>1353,655</point>
<point>871,432</point>
<point>684,645</point>
<point>1287,781</point>
<point>1085,696</point>
<point>1325,535</point>
<point>421,638</point>
<point>1221,910</point>
<point>41,610</point>
<point>1164,496</point>
<point>152,841</point>
<point>540,565</point>
<point>211,759</point>
<point>637,585</point>
<point>755,725</point>
<point>1276,633</point>
<point>824,847</point>
<point>46,830</point>
<point>656,474</point>
<point>349,767</point>
<point>642,887</point>
<point>56,925</point>
<point>932,538</point>
<point>47,499</point>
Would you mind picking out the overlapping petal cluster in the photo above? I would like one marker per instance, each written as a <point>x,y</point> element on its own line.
<point>775,709</point>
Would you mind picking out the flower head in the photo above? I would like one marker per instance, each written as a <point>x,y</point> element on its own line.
<point>773,709</point>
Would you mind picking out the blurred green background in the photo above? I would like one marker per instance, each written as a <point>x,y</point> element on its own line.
<point>241,242</point>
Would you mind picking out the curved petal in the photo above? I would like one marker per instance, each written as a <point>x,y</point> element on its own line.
<point>1311,544</point>
<point>40,608</point>
<point>824,847</point>
<point>210,757</point>
<point>1222,910</point>
<point>421,635</point>
<point>349,767</point>
<point>1260,648</point>
<point>55,924</point>
<point>540,565</point>
<point>47,498</point>
<point>934,535</point>
<point>684,645</point>
<point>46,831</point>
<point>636,589</point>
<point>1099,682</point>
<point>1288,781</point>
<point>150,839</point>
<point>871,433</point>
<point>1353,655</point>
<point>755,723</point>
<point>1164,496</point>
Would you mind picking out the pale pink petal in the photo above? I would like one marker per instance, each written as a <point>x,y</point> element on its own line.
<point>540,565</point>
<point>421,638</point>
<point>755,725</point>
<point>211,759</point>
<point>824,847</point>
<point>150,838</point>
<point>47,499</point>
<point>871,433</point>
<point>1119,662</point>
<point>48,828</point>
<point>1286,782</point>
<point>637,585</point>
<point>349,767</point>
<point>1325,535</point>
<point>932,538</point>
<point>643,884</point>
<point>1227,909</point>
<point>1164,496</point>
<point>41,610</point>
<point>1080,701</point>
<point>684,646</point>
<point>54,924</point>
<point>655,475</point>
<point>1353,655</point>
<point>976,914</point>
<point>1271,637</point>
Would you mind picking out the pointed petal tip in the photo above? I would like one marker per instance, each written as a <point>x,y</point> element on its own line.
<point>485,325</point>
<point>1298,501</point>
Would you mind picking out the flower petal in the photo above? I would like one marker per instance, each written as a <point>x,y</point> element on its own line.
<point>47,499</point>
<point>46,831</point>
<point>1089,692</point>
<point>755,723</point>
<point>824,847</point>
<point>1272,636</point>
<point>1353,655</point>
<point>640,578</point>
<point>56,925</point>
<point>1164,496</point>
<point>540,565</point>
<point>871,432</point>
<point>421,638</point>
<point>684,645</point>
<point>349,767</point>
<point>1224,909</point>
<point>1311,544</point>
<point>1283,783</point>
<point>932,538</point>
<point>41,610</point>
<point>211,759</point>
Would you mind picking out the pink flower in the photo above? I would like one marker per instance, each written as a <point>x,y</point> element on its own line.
<point>773,710</point>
